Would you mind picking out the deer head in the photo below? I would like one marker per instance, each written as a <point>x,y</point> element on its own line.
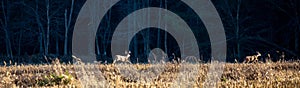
<point>258,54</point>
<point>128,54</point>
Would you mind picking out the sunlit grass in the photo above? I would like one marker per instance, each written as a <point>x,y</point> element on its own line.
<point>281,74</point>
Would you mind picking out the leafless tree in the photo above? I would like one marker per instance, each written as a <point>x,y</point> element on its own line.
<point>68,19</point>
<point>4,24</point>
<point>291,9</point>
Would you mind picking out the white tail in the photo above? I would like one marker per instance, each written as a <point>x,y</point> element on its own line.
<point>253,58</point>
<point>123,58</point>
<point>282,57</point>
<point>77,60</point>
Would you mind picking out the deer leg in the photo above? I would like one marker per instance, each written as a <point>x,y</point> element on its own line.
<point>129,62</point>
<point>114,61</point>
<point>246,60</point>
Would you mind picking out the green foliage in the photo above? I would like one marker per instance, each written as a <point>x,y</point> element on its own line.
<point>56,79</point>
<point>223,79</point>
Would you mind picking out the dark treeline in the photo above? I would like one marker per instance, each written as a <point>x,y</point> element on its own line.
<point>32,29</point>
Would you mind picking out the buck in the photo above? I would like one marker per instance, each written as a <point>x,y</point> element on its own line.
<point>253,58</point>
<point>123,58</point>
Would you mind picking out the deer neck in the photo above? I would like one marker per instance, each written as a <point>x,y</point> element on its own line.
<point>258,55</point>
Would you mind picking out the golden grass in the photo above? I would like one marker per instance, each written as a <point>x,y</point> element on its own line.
<point>261,75</point>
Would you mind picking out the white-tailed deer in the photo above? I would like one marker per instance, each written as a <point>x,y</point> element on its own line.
<point>55,61</point>
<point>236,61</point>
<point>190,59</point>
<point>282,57</point>
<point>76,60</point>
<point>253,58</point>
<point>123,58</point>
<point>268,58</point>
<point>157,56</point>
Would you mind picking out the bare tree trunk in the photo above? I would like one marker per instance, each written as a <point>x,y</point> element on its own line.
<point>41,43</point>
<point>8,43</point>
<point>238,29</point>
<point>106,33</point>
<point>147,40</point>
<point>57,39</point>
<point>19,43</point>
<point>67,26</point>
<point>294,18</point>
<point>297,30</point>
<point>66,34</point>
<point>97,46</point>
<point>166,47</point>
<point>296,35</point>
<point>57,45</point>
<point>159,22</point>
<point>297,42</point>
<point>7,33</point>
<point>41,28</point>
<point>48,28</point>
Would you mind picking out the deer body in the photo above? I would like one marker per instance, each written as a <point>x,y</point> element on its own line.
<point>76,60</point>
<point>253,58</point>
<point>122,58</point>
<point>55,61</point>
<point>190,59</point>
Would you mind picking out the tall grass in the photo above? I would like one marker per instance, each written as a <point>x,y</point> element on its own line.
<point>262,75</point>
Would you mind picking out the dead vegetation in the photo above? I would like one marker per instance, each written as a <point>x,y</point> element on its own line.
<point>242,75</point>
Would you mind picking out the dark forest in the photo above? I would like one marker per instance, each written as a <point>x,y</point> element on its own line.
<point>33,29</point>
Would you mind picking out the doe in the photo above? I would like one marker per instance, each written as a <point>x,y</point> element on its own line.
<point>253,58</point>
<point>123,58</point>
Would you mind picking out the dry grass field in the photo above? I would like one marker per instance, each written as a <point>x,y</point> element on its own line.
<point>235,75</point>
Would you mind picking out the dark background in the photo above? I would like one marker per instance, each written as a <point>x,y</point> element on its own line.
<point>31,29</point>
